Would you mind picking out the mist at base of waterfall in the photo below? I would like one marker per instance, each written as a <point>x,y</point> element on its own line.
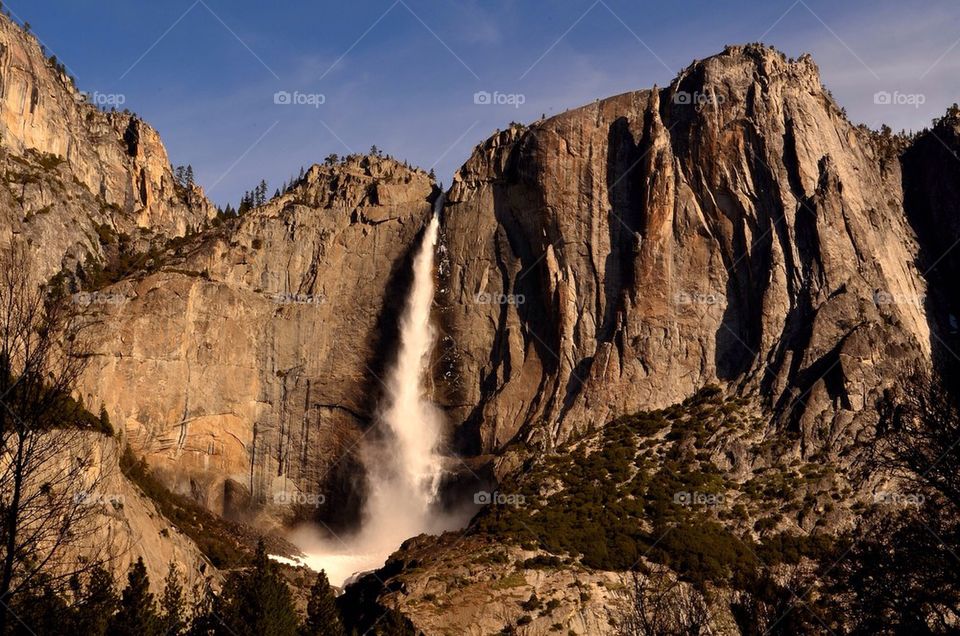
<point>342,558</point>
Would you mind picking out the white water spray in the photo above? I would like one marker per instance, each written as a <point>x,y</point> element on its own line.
<point>404,464</point>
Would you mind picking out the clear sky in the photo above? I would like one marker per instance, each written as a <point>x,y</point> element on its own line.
<point>403,74</point>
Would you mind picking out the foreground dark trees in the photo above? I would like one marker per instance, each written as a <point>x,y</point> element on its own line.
<point>255,601</point>
<point>900,570</point>
<point>46,479</point>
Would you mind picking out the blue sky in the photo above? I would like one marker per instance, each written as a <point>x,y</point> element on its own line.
<point>402,74</point>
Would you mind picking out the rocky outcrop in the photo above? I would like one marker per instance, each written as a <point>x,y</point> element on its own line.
<point>733,227</point>
<point>118,523</point>
<point>248,366</point>
<point>474,586</point>
<point>78,166</point>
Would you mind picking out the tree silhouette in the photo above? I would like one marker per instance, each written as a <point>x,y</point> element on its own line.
<point>96,603</point>
<point>323,617</point>
<point>46,478</point>
<point>173,619</point>
<point>257,602</point>
<point>899,572</point>
<point>137,615</point>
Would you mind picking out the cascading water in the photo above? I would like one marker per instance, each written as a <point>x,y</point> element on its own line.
<point>404,466</point>
<point>404,463</point>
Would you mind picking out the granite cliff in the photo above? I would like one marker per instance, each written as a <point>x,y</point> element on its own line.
<point>732,230</point>
<point>733,227</point>
<point>248,365</point>
<point>70,167</point>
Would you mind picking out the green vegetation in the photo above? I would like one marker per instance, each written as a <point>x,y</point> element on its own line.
<point>61,410</point>
<point>49,161</point>
<point>255,601</point>
<point>323,617</point>
<point>618,496</point>
<point>124,256</point>
<point>122,260</point>
<point>137,615</point>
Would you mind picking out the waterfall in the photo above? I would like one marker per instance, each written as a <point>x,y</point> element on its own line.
<point>402,456</point>
<point>404,466</point>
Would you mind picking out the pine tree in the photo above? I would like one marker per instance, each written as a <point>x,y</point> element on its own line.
<point>188,176</point>
<point>257,602</point>
<point>138,614</point>
<point>206,612</point>
<point>323,618</point>
<point>172,605</point>
<point>96,603</point>
<point>39,611</point>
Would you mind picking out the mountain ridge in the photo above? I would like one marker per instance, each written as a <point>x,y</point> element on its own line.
<point>643,119</point>
<point>731,232</point>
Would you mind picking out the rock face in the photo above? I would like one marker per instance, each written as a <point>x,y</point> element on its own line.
<point>123,524</point>
<point>77,166</point>
<point>249,365</point>
<point>733,227</point>
<point>469,586</point>
<point>931,174</point>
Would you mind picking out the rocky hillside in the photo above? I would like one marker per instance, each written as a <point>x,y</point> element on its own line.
<point>697,489</point>
<point>69,167</point>
<point>732,231</point>
<point>705,288</point>
<point>73,179</point>
<point>733,227</point>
